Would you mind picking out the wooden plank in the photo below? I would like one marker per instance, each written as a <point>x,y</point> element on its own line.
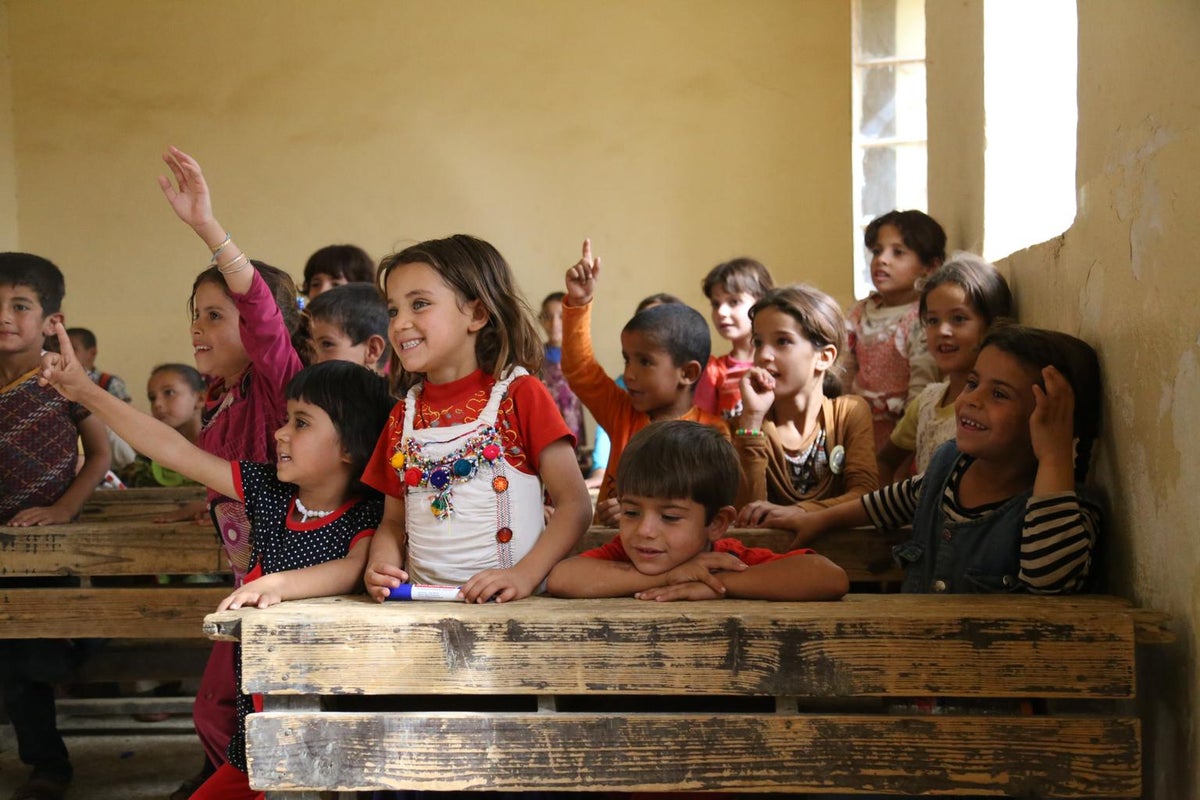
<point>143,503</point>
<point>865,553</point>
<point>166,612</point>
<point>865,645</point>
<point>976,755</point>
<point>110,548</point>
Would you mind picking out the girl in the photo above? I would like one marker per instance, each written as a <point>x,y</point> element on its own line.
<point>460,459</point>
<point>887,362</point>
<point>800,450</point>
<point>998,509</point>
<point>958,304</point>
<point>176,395</point>
<point>310,516</point>
<point>243,316</point>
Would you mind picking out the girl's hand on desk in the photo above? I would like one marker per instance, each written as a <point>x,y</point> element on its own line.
<point>260,593</point>
<point>191,201</point>
<point>40,515</point>
<point>501,585</point>
<point>381,577</point>
<point>761,514</point>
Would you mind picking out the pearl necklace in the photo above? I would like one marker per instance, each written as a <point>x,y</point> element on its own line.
<point>306,515</point>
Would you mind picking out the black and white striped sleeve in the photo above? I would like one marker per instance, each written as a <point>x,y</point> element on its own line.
<point>893,506</point>
<point>1057,538</point>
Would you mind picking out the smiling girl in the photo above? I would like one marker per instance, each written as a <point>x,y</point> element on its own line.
<point>311,518</point>
<point>1000,508</point>
<point>800,450</point>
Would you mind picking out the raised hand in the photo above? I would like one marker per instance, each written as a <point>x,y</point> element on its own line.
<point>582,276</point>
<point>1052,430</point>
<point>189,195</point>
<point>62,370</point>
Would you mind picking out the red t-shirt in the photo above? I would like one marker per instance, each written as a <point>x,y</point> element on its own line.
<point>751,556</point>
<point>528,421</point>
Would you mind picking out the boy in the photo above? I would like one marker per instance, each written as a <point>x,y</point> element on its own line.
<point>349,323</point>
<point>84,342</point>
<point>39,486</point>
<point>664,349</point>
<point>676,489</point>
<point>732,288</point>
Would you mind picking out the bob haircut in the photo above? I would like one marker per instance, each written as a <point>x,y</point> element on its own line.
<point>357,402</point>
<point>676,459</point>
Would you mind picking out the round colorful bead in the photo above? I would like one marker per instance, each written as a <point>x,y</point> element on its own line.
<point>463,468</point>
<point>504,535</point>
<point>412,476</point>
<point>499,483</point>
<point>491,452</point>
<point>398,460</point>
<point>439,506</point>
<point>440,478</point>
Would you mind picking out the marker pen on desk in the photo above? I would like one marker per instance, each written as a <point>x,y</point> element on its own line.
<point>424,591</point>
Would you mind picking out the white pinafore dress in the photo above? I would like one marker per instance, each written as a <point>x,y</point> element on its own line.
<point>466,509</point>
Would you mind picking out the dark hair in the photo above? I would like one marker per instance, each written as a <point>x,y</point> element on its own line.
<point>357,308</point>
<point>676,328</point>
<point>340,261</point>
<point>739,276</point>
<point>981,282</point>
<point>85,336</point>
<point>1038,348</point>
<point>39,274</point>
<point>191,376</point>
<point>476,272</point>
<point>657,299</point>
<point>820,319</point>
<point>282,287</point>
<point>677,459</point>
<point>355,398</point>
<point>553,297</point>
<point>920,232</point>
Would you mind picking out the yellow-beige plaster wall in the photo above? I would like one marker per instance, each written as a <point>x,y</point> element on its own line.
<point>676,134</point>
<point>8,171</point>
<point>1123,278</point>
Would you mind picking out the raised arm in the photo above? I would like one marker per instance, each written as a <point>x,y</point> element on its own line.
<point>147,435</point>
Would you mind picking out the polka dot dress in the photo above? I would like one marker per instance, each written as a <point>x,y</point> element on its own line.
<point>279,544</point>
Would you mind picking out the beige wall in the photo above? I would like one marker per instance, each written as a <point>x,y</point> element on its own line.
<point>676,134</point>
<point>1123,277</point>
<point>8,173</point>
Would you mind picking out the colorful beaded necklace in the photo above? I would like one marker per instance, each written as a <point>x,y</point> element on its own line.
<point>442,474</point>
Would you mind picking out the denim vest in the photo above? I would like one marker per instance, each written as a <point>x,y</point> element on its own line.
<point>980,555</point>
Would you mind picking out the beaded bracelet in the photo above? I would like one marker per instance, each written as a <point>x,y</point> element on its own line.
<point>216,251</point>
<point>748,432</point>
<point>229,269</point>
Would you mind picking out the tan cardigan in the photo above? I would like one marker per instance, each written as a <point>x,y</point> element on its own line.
<point>765,474</point>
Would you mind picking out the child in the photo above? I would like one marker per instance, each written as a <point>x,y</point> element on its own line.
<point>731,288</point>
<point>664,347</point>
<point>676,489</point>
<point>465,454</point>
<point>176,395</point>
<point>349,323</point>
<point>959,302</point>
<point>336,265</point>
<point>800,450</point>
<point>551,372</point>
<point>998,509</point>
<point>310,516</point>
<point>84,342</point>
<point>243,315</point>
<point>887,361</point>
<point>39,432</point>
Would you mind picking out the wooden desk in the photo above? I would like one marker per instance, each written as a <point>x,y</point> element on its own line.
<point>776,697</point>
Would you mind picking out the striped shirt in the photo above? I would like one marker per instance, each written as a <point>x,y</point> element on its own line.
<point>1057,535</point>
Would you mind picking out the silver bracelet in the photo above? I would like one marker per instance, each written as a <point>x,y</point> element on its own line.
<point>229,269</point>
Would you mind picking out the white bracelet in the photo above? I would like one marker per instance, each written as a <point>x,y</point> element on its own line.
<point>229,269</point>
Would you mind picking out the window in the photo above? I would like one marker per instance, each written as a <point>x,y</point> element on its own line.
<point>889,115</point>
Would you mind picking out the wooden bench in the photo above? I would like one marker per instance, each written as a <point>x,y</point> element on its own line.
<point>738,696</point>
<point>139,504</point>
<point>865,553</point>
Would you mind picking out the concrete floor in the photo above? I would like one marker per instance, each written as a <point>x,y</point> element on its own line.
<point>115,758</point>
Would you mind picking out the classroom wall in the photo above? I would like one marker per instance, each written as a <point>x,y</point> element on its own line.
<point>8,173</point>
<point>1123,278</point>
<point>676,134</point>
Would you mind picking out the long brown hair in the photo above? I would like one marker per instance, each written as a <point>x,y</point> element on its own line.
<point>476,272</point>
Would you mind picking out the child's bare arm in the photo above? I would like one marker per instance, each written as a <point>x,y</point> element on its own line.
<point>385,561</point>
<point>582,576</point>
<point>340,576</point>
<point>806,524</point>
<point>560,474</point>
<point>798,577</point>
<point>192,203</point>
<point>147,435</point>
